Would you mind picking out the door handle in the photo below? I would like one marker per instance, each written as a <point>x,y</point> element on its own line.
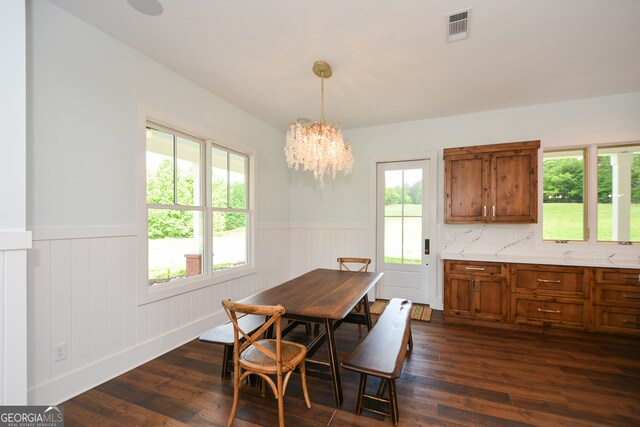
<point>426,246</point>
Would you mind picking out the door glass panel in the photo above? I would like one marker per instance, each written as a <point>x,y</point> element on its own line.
<point>393,240</point>
<point>403,216</point>
<point>619,193</point>
<point>412,240</point>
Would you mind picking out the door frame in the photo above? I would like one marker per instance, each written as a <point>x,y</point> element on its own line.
<point>433,297</point>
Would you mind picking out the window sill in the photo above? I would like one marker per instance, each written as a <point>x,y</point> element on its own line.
<point>148,294</point>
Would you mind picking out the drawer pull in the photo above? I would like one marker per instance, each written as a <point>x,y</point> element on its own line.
<point>630,322</point>
<point>541,310</point>
<point>637,278</point>
<point>548,281</point>
<point>475,268</point>
<point>631,298</point>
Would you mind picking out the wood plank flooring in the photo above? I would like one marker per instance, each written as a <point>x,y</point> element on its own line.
<point>457,374</point>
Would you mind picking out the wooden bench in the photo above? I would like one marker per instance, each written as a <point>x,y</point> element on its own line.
<point>223,334</point>
<point>382,354</point>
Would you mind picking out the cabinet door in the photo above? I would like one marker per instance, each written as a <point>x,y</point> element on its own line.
<point>490,298</point>
<point>514,183</point>
<point>458,296</point>
<point>466,180</point>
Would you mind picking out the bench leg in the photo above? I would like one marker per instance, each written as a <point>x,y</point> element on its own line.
<point>382,387</point>
<point>227,353</point>
<point>393,402</point>
<point>361,388</point>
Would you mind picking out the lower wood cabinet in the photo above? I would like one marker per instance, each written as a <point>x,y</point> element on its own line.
<point>617,301</point>
<point>582,298</point>
<point>549,311</point>
<point>476,290</point>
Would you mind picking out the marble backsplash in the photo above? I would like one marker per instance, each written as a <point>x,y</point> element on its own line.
<point>525,240</point>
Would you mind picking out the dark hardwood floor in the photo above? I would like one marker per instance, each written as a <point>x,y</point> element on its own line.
<point>456,375</point>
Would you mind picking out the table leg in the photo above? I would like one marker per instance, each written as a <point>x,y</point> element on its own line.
<point>334,364</point>
<point>367,313</point>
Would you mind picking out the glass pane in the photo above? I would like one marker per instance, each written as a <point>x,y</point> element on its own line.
<point>412,243</point>
<point>159,159</point>
<point>188,157</point>
<point>219,178</point>
<point>393,240</point>
<point>229,240</point>
<point>237,178</point>
<point>619,193</point>
<point>393,193</point>
<point>175,244</point>
<point>563,195</point>
<point>413,192</point>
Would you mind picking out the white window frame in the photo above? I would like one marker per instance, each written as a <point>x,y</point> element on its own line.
<point>591,171</point>
<point>147,294</point>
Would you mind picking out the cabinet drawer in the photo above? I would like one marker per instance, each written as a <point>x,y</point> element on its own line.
<point>621,296</point>
<point>618,320</point>
<point>549,280</point>
<point>479,268</point>
<point>618,276</point>
<point>548,311</point>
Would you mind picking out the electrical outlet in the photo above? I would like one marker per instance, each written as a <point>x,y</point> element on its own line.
<point>60,352</point>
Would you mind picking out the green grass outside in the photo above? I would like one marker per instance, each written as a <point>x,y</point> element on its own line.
<point>564,221</point>
<point>409,210</point>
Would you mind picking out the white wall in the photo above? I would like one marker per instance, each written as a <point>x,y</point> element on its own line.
<point>14,240</point>
<point>85,89</point>
<point>347,201</point>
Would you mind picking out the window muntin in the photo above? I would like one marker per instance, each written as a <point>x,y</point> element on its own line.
<point>183,222</point>
<point>564,204</point>
<point>618,193</point>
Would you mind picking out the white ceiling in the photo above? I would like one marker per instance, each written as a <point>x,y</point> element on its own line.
<point>389,57</point>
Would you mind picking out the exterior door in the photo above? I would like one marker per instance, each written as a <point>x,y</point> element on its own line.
<point>403,223</point>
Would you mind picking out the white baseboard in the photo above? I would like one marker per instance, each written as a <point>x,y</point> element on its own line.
<point>74,383</point>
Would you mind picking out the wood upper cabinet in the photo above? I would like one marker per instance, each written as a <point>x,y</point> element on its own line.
<point>492,183</point>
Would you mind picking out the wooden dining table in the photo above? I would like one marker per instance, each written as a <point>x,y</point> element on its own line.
<point>327,297</point>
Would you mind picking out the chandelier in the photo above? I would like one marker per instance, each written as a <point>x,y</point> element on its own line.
<point>318,146</point>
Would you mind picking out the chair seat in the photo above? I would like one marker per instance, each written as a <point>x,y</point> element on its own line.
<point>292,354</point>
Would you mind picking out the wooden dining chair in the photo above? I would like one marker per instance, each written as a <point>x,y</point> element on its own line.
<point>355,264</point>
<point>264,357</point>
<point>352,264</point>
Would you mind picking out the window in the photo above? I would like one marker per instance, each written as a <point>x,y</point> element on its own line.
<point>619,193</point>
<point>564,207</point>
<point>194,233</point>
<point>614,198</point>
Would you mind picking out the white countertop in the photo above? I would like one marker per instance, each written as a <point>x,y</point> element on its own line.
<point>541,259</point>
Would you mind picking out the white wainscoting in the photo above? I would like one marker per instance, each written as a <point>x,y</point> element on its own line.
<point>319,245</point>
<point>81,292</point>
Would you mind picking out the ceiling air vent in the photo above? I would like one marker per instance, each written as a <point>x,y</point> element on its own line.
<point>458,25</point>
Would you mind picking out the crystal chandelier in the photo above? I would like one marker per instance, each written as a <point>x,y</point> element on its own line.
<point>318,146</point>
